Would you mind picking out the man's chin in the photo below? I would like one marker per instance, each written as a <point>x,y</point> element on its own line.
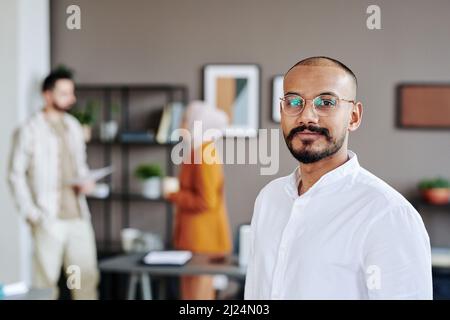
<point>307,153</point>
<point>306,157</point>
<point>63,109</point>
<point>305,144</point>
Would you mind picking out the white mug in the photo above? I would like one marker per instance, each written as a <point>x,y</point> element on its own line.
<point>128,238</point>
<point>170,185</point>
<point>244,245</point>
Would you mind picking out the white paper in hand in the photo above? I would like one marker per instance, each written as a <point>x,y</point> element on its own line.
<point>94,175</point>
<point>175,257</point>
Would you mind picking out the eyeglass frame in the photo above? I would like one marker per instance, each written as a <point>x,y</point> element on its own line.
<point>282,99</point>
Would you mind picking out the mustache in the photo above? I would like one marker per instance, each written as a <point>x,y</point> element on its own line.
<point>293,132</point>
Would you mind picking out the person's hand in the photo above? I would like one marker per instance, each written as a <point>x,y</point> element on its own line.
<point>84,188</point>
<point>30,222</point>
<point>33,222</point>
<point>169,196</point>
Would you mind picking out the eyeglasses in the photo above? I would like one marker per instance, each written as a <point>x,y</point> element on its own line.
<point>324,104</point>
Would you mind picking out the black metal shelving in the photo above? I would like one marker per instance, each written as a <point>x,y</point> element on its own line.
<point>420,203</point>
<point>172,93</point>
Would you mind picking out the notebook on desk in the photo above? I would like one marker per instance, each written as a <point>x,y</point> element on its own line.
<point>167,258</point>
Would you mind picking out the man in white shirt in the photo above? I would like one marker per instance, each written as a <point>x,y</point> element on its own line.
<point>47,153</point>
<point>331,229</point>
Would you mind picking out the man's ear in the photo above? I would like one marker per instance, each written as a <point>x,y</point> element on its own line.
<point>355,116</point>
<point>46,94</point>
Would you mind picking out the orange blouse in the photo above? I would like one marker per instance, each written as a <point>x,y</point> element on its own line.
<point>201,223</point>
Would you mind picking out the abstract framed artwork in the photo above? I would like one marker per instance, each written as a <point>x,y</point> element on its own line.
<point>277,93</point>
<point>424,106</point>
<point>235,88</point>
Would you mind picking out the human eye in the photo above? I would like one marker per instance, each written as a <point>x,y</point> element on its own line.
<point>294,101</point>
<point>325,102</point>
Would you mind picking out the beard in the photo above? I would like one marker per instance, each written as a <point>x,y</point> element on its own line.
<point>305,154</point>
<point>59,108</point>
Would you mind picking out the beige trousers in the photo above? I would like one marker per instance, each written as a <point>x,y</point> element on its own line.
<point>69,244</point>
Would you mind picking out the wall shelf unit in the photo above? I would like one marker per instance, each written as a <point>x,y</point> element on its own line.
<point>105,94</point>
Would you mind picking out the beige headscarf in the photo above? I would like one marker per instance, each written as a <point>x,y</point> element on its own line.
<point>210,117</point>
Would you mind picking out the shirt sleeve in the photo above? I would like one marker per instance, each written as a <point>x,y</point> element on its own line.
<point>397,256</point>
<point>17,176</point>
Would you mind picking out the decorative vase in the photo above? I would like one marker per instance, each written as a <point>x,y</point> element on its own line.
<point>108,130</point>
<point>436,195</point>
<point>151,188</point>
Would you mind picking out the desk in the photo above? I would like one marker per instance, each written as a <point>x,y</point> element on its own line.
<point>198,265</point>
<point>441,272</point>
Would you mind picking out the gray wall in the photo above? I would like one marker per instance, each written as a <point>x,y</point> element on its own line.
<point>169,41</point>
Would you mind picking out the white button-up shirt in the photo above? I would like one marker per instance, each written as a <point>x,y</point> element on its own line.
<point>350,236</point>
<point>33,167</point>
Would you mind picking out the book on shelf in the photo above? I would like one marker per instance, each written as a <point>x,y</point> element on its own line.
<point>137,136</point>
<point>171,119</point>
<point>177,118</point>
<point>164,125</point>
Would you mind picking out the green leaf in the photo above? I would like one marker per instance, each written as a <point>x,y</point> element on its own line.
<point>146,171</point>
<point>438,182</point>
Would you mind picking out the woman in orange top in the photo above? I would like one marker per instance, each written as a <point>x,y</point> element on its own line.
<point>201,223</point>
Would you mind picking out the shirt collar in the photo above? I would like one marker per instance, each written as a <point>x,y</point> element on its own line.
<point>348,168</point>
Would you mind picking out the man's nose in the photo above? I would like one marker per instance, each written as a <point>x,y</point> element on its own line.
<point>308,114</point>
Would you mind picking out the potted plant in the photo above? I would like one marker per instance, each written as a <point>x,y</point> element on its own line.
<point>150,176</point>
<point>86,117</point>
<point>435,191</point>
<point>110,128</point>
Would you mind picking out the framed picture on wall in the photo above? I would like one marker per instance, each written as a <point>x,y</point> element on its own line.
<point>423,106</point>
<point>235,88</point>
<point>277,93</point>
